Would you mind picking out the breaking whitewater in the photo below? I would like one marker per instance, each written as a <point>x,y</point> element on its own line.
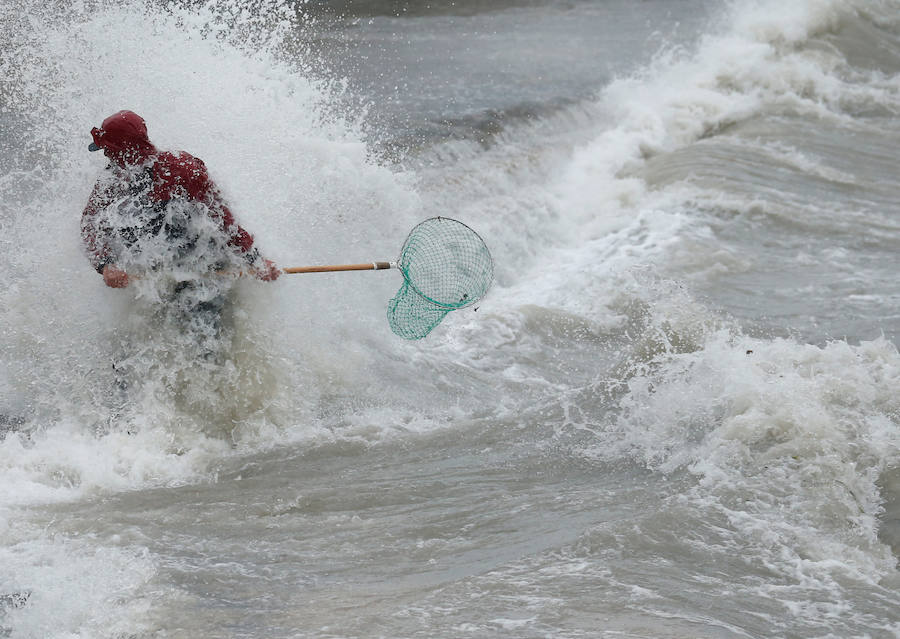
<point>676,413</point>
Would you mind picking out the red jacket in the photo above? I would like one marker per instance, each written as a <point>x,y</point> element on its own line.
<point>172,176</point>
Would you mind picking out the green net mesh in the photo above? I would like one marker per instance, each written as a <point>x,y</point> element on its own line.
<point>445,266</point>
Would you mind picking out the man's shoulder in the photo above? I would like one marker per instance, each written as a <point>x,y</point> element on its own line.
<point>179,161</point>
<point>180,169</point>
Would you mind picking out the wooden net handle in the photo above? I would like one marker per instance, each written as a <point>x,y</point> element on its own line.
<point>370,266</point>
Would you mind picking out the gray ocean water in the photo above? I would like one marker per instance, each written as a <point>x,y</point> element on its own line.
<point>676,413</point>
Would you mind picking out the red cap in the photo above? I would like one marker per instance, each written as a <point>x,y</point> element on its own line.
<point>121,132</point>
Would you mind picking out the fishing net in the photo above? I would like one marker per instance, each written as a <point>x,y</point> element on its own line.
<point>446,266</point>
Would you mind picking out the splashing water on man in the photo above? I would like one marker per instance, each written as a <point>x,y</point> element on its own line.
<point>155,221</point>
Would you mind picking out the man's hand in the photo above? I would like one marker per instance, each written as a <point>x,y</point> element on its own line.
<point>269,272</point>
<point>114,278</point>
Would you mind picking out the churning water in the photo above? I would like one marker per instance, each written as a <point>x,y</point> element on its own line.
<point>676,414</point>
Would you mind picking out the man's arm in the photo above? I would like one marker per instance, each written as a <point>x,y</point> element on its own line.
<point>98,251</point>
<point>241,241</point>
<point>205,190</point>
<point>189,173</point>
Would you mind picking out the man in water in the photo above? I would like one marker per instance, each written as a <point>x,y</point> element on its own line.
<point>159,216</point>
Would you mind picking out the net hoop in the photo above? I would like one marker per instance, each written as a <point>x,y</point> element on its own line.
<point>404,265</point>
